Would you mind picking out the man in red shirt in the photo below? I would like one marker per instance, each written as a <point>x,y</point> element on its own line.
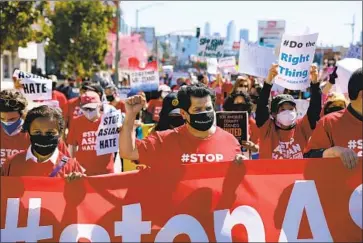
<point>155,105</point>
<point>44,126</point>
<point>282,135</point>
<point>82,137</point>
<point>113,99</point>
<point>198,141</point>
<point>339,134</point>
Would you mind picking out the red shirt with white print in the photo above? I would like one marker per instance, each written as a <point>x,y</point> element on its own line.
<point>342,128</point>
<point>154,107</point>
<point>74,110</point>
<point>26,164</point>
<point>13,144</point>
<point>178,146</point>
<point>82,133</point>
<point>284,144</point>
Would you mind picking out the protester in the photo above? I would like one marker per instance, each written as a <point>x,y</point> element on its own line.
<point>203,78</point>
<point>113,99</point>
<point>241,101</point>
<point>217,86</point>
<point>70,90</point>
<point>42,158</point>
<point>169,115</point>
<point>155,105</point>
<point>198,141</point>
<point>283,135</point>
<point>335,102</point>
<point>81,138</point>
<point>59,96</point>
<point>339,134</point>
<point>242,84</point>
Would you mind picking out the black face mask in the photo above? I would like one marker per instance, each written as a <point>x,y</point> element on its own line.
<point>44,145</point>
<point>110,98</point>
<point>241,107</point>
<point>332,109</point>
<point>176,121</point>
<point>202,121</point>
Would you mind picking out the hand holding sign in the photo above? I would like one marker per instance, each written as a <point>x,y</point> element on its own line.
<point>134,104</point>
<point>314,74</point>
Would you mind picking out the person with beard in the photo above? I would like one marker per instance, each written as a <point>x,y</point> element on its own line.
<point>44,126</point>
<point>113,99</point>
<point>282,135</point>
<point>241,101</point>
<point>82,135</point>
<point>339,134</point>
<point>170,114</point>
<point>199,140</point>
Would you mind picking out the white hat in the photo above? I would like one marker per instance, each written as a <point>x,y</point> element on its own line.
<point>164,88</point>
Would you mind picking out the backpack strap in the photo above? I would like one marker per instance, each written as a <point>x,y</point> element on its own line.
<point>64,160</point>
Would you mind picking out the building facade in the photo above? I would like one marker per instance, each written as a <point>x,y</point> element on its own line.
<point>207,30</point>
<point>231,35</point>
<point>244,35</point>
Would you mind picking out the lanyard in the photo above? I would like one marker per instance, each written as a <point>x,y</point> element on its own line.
<point>60,165</point>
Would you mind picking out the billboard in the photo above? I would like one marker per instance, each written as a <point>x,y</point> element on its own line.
<point>270,32</point>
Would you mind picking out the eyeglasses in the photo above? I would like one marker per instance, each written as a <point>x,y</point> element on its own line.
<point>243,86</point>
<point>9,103</point>
<point>88,109</point>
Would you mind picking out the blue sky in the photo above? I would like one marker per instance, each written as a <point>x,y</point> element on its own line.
<point>328,18</point>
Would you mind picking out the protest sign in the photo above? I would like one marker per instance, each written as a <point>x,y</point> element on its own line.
<point>295,59</point>
<point>227,64</point>
<point>301,107</point>
<point>212,65</point>
<point>266,201</point>
<point>123,91</point>
<point>355,51</point>
<point>108,133</point>
<point>146,81</point>
<point>34,87</point>
<point>211,47</point>
<point>346,67</point>
<point>255,60</point>
<point>236,123</point>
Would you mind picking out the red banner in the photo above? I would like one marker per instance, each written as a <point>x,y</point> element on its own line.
<point>258,201</point>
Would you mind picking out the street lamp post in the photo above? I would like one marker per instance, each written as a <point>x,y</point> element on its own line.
<point>142,9</point>
<point>117,53</point>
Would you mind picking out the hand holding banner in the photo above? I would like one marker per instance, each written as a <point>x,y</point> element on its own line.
<point>295,59</point>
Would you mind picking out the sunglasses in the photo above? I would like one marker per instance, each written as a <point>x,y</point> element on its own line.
<point>243,86</point>
<point>88,109</point>
<point>9,103</point>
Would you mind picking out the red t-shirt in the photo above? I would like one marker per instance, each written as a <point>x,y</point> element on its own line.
<point>62,100</point>
<point>121,106</point>
<point>227,87</point>
<point>17,165</point>
<point>219,93</point>
<point>82,133</point>
<point>253,130</point>
<point>11,145</point>
<point>74,110</point>
<point>284,144</point>
<point>178,146</point>
<point>154,107</point>
<point>339,128</point>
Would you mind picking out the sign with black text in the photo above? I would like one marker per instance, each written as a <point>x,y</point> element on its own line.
<point>211,47</point>
<point>34,87</point>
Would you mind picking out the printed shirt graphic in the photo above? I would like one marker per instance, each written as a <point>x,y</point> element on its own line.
<point>284,144</point>
<point>17,165</point>
<point>154,107</point>
<point>82,133</point>
<point>164,149</point>
<point>340,128</point>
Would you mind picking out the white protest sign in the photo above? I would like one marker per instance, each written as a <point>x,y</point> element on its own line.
<point>301,107</point>
<point>108,133</point>
<point>346,68</point>
<point>295,59</point>
<point>227,64</point>
<point>34,87</point>
<point>255,60</point>
<point>147,80</point>
<point>211,47</point>
<point>212,65</point>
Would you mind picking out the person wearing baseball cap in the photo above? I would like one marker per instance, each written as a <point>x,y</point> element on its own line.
<point>282,135</point>
<point>82,136</point>
<point>339,134</point>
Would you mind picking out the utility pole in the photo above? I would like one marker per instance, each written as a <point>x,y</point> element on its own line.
<point>352,25</point>
<point>117,52</point>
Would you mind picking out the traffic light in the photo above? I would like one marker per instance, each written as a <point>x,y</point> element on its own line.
<point>198,32</point>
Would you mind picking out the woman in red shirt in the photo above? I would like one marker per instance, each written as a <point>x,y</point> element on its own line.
<point>113,99</point>
<point>44,126</point>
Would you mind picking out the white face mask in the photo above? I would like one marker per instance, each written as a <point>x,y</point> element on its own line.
<point>286,118</point>
<point>90,115</point>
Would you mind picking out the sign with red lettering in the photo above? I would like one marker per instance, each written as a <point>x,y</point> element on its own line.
<point>268,201</point>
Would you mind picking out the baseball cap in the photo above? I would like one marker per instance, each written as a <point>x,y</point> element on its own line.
<point>278,100</point>
<point>170,104</point>
<point>90,99</point>
<point>355,84</point>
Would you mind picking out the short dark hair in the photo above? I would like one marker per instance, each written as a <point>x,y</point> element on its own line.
<point>43,111</point>
<point>355,84</point>
<point>229,101</point>
<point>12,100</point>
<point>88,86</point>
<point>198,90</point>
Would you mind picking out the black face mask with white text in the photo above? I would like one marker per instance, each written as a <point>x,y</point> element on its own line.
<point>202,121</point>
<point>44,145</point>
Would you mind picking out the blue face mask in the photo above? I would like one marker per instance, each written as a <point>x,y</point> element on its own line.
<point>10,127</point>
